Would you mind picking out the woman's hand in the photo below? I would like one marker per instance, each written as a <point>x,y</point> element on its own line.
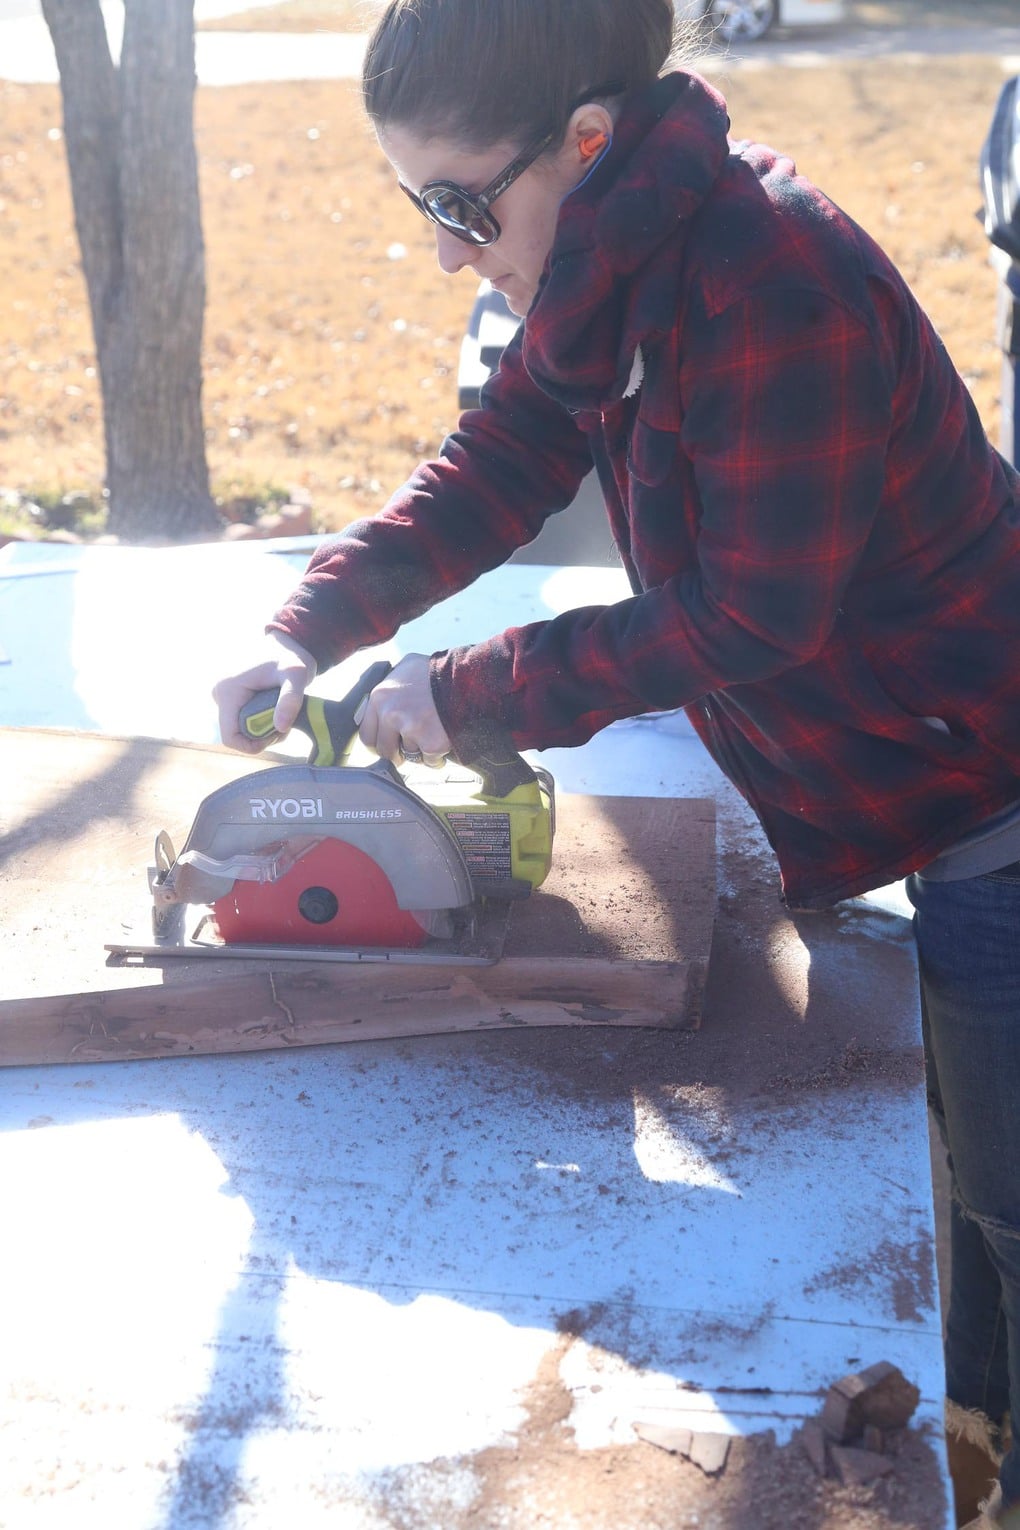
<point>400,721</point>
<point>286,665</point>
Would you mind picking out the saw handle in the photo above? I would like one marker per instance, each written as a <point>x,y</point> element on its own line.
<point>330,725</point>
<point>484,749</point>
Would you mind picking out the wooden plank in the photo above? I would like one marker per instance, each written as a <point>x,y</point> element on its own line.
<point>312,1004</point>
<point>620,934</point>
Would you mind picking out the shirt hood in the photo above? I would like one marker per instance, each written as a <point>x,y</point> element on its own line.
<point>614,264</point>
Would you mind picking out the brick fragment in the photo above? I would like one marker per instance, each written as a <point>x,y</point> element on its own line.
<point>666,1436</point>
<point>841,1415</point>
<point>873,1438</point>
<point>856,1468</point>
<point>812,1439</point>
<point>709,1451</point>
<point>880,1396</point>
<point>889,1398</point>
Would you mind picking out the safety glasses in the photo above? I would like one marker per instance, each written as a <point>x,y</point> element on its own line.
<point>466,213</point>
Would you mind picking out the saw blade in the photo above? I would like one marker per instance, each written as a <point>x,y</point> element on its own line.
<point>333,895</point>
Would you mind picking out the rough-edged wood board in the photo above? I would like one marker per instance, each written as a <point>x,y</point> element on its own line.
<point>619,935</point>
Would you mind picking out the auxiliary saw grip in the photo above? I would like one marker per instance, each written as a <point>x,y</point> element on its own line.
<point>486,749</point>
<point>330,725</point>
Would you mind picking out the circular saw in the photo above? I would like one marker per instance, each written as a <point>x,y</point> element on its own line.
<point>354,862</point>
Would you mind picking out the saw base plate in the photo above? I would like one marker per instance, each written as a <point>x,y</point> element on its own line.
<point>480,944</point>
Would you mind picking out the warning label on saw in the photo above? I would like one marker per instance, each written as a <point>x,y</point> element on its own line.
<point>485,841</point>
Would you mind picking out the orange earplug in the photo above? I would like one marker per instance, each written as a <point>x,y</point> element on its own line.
<point>591,145</point>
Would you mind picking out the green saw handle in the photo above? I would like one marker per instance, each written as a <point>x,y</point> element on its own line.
<point>331,725</point>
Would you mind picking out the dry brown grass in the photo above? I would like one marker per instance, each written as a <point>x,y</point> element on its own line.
<point>299,16</point>
<point>358,15</point>
<point>330,364</point>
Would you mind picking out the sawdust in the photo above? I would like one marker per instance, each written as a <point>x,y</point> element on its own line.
<point>632,879</point>
<point>904,1270</point>
<point>541,1481</point>
<point>880,1066</point>
<point>762,1039</point>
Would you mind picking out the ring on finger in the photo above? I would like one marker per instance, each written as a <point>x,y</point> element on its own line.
<point>412,756</point>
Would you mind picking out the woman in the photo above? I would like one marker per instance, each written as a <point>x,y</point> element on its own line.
<point>823,547</point>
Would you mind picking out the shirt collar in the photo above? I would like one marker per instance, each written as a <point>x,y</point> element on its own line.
<point>611,279</point>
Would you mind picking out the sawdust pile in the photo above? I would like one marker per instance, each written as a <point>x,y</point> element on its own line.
<point>542,1482</point>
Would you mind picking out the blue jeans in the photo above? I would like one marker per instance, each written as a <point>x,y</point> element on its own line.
<point>968,942</point>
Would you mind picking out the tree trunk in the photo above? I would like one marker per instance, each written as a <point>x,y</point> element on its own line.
<point>134,183</point>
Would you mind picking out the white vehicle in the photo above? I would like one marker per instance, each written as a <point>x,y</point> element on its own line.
<point>731,21</point>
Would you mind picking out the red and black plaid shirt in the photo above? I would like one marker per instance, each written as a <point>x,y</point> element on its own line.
<point>824,548</point>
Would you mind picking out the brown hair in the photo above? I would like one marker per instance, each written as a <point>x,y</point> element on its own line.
<point>482,72</point>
